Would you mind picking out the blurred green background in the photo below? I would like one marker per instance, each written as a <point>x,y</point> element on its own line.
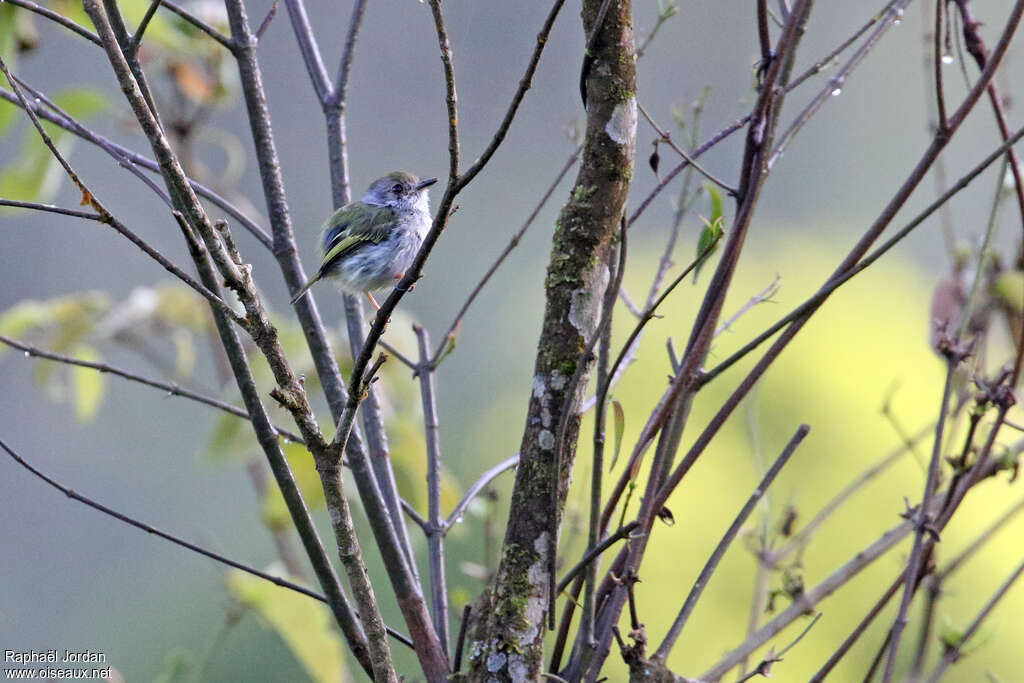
<point>70,578</point>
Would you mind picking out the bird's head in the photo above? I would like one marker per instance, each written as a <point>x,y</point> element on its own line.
<point>400,191</point>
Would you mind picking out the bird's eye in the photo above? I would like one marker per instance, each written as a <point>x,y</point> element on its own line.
<point>397,188</point>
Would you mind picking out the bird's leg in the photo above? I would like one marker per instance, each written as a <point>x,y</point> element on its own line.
<point>372,300</point>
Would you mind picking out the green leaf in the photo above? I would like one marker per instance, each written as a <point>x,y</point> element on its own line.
<point>305,626</point>
<point>88,385</point>
<point>707,245</point>
<point>620,426</point>
<point>713,230</point>
<point>716,201</point>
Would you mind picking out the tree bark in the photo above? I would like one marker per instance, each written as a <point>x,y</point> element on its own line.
<point>507,644</point>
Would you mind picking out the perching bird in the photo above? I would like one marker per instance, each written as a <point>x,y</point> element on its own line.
<point>370,243</point>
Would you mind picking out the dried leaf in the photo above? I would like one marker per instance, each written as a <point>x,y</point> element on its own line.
<point>619,418</point>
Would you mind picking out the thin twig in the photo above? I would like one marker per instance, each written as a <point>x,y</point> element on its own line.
<point>764,39</point>
<point>265,24</point>
<point>463,628</point>
<point>621,533</point>
<point>976,47</point>
<point>131,521</point>
<point>666,137</point>
<point>524,84</point>
<point>136,41</point>
<point>858,631</point>
<point>809,599</point>
<point>950,567</point>
<point>922,522</point>
<point>415,516</point>
<point>837,281</point>
<point>614,282</point>
<point>58,18</point>
<point>435,536</point>
<point>716,556</point>
<point>50,208</point>
<point>764,667</point>
<point>816,68</point>
<point>953,653</point>
<point>170,388</point>
<point>308,47</point>
<point>340,91</point>
<point>761,297</point>
<point>587,643</point>
<point>106,217</point>
<point>835,84</point>
<point>451,333</point>
<point>479,485</point>
<point>802,537</point>
<point>200,24</point>
<point>130,160</point>
<point>940,93</point>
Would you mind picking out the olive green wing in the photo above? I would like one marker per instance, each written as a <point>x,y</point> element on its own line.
<point>353,226</point>
<point>349,228</point>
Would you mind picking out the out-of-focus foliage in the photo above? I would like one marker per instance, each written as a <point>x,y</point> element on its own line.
<point>306,626</point>
<point>275,511</point>
<point>85,325</point>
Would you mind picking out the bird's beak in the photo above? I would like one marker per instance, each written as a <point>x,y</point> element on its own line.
<point>424,184</point>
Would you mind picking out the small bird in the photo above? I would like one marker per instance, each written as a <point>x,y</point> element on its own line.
<point>370,243</point>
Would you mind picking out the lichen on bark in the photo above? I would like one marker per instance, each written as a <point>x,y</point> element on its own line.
<point>507,642</point>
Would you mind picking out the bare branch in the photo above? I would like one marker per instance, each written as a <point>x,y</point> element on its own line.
<point>666,137</point>
<point>953,653</point>
<point>129,159</point>
<point>435,536</point>
<point>106,217</point>
<point>50,208</point>
<point>131,521</point>
<point>716,556</point>
<point>835,84</point>
<point>57,18</point>
<point>479,485</point>
<point>133,48</point>
<point>513,243</point>
<point>170,388</point>
<point>265,24</point>
<point>858,631</point>
<point>837,281</point>
<point>595,552</point>
<point>308,47</point>
<point>200,24</point>
<point>517,98</point>
<point>340,91</point>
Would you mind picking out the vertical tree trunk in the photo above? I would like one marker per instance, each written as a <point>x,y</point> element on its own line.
<point>507,644</point>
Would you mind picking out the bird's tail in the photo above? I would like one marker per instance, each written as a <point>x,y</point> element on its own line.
<point>302,292</point>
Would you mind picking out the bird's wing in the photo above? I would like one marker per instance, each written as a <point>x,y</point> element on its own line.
<point>353,226</point>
